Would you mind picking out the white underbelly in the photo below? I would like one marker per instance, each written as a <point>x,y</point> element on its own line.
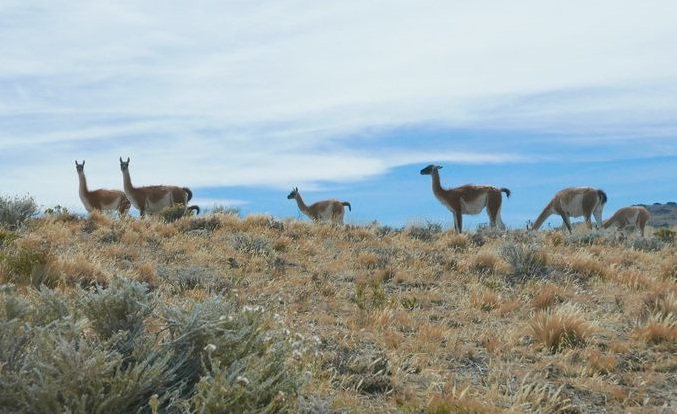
<point>634,217</point>
<point>86,203</point>
<point>574,208</point>
<point>326,214</point>
<point>474,206</point>
<point>159,205</point>
<point>110,206</point>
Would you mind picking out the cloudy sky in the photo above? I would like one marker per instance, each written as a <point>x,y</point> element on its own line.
<point>241,100</point>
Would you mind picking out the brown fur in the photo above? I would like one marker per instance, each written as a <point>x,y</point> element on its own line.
<point>330,210</point>
<point>101,199</point>
<point>154,198</point>
<point>455,198</point>
<point>636,216</point>
<point>574,202</point>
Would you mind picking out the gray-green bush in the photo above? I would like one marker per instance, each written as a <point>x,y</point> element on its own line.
<point>14,212</point>
<point>92,351</point>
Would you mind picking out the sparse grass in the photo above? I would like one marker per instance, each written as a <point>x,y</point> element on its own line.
<point>219,313</point>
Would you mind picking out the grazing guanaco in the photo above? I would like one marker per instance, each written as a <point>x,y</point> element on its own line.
<point>574,202</point>
<point>636,216</point>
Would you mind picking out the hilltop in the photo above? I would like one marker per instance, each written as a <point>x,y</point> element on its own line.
<point>223,313</point>
<point>663,215</point>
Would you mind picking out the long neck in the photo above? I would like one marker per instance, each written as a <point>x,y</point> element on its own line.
<point>547,212</point>
<point>302,206</point>
<point>127,181</point>
<point>83,183</point>
<point>437,187</point>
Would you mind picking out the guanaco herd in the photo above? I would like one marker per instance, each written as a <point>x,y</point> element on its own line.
<point>466,199</point>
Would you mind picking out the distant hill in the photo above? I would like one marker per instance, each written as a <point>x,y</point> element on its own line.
<point>662,215</point>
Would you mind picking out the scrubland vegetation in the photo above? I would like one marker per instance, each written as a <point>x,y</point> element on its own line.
<point>223,313</point>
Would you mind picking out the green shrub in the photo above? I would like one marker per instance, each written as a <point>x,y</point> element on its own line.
<point>171,214</point>
<point>63,354</point>
<point>14,212</point>
<point>233,363</point>
<point>527,261</point>
<point>60,213</point>
<point>120,308</point>
<point>7,237</point>
<point>221,209</point>
<point>255,246</point>
<point>209,223</point>
<point>27,266</point>
<point>665,235</point>
<point>429,232</point>
<point>646,244</point>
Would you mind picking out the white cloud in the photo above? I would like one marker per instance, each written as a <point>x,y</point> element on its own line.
<point>214,93</point>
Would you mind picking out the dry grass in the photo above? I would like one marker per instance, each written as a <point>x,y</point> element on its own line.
<point>560,328</point>
<point>415,320</point>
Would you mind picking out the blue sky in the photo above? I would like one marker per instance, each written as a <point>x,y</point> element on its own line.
<point>243,100</point>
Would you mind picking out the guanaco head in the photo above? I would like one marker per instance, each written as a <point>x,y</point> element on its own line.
<point>293,193</point>
<point>124,165</point>
<point>80,167</point>
<point>429,169</point>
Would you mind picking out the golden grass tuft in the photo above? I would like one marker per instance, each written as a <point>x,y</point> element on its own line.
<point>631,278</point>
<point>146,273</point>
<point>588,268</point>
<point>669,270</point>
<point>599,362</point>
<point>547,297</point>
<point>662,303</point>
<point>457,242</point>
<point>658,329</point>
<point>82,271</point>
<point>486,300</point>
<point>560,328</point>
<point>540,397</point>
<point>369,260</point>
<point>485,263</point>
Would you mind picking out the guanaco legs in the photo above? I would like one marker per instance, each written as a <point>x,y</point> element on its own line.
<point>574,202</point>
<point>636,216</point>
<point>327,210</point>
<point>468,199</point>
<point>101,199</point>
<point>154,198</point>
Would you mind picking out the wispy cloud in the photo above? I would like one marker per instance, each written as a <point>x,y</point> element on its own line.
<point>214,93</point>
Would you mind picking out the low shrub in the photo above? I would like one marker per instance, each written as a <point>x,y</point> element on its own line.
<point>172,214</point>
<point>63,354</point>
<point>665,235</point>
<point>14,212</point>
<point>429,232</point>
<point>27,266</point>
<point>526,261</point>
<point>255,246</point>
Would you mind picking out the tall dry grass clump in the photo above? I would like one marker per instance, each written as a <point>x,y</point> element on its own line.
<point>561,327</point>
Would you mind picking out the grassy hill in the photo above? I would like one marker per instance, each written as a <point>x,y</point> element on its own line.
<point>663,215</point>
<point>222,313</point>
